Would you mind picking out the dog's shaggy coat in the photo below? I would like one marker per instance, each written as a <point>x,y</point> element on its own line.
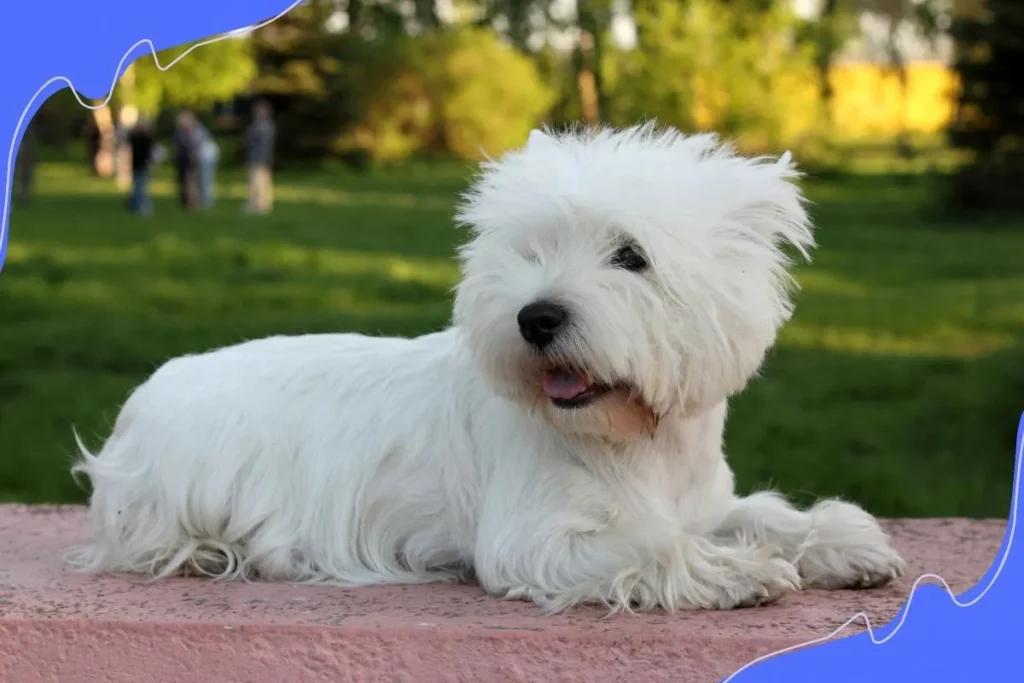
<point>561,441</point>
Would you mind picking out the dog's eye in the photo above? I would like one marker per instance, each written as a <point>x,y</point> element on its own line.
<point>630,258</point>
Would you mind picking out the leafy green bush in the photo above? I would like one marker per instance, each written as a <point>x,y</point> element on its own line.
<point>487,95</point>
<point>458,92</point>
<point>209,73</point>
<point>734,68</point>
<point>454,92</point>
<point>320,86</point>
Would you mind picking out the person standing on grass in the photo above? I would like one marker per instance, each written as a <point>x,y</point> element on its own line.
<point>259,140</point>
<point>186,159</point>
<point>209,155</point>
<point>141,144</point>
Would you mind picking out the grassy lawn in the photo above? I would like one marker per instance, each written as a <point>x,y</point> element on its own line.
<point>899,382</point>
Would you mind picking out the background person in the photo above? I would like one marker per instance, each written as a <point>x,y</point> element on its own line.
<point>142,147</point>
<point>186,159</point>
<point>259,140</point>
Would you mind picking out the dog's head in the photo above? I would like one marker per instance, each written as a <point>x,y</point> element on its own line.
<point>614,278</point>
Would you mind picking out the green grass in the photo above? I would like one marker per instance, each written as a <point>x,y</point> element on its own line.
<point>898,383</point>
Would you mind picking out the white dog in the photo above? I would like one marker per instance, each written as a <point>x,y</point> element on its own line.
<point>561,441</point>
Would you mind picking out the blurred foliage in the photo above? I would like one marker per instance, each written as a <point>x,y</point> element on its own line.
<point>384,82</point>
<point>443,97</point>
<point>705,65</point>
<point>320,87</point>
<point>395,96</point>
<point>989,124</point>
<point>210,73</point>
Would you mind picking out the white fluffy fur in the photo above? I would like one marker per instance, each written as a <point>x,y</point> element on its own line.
<point>359,460</point>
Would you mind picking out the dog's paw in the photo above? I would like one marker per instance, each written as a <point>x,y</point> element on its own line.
<point>744,579</point>
<point>851,567</point>
<point>847,549</point>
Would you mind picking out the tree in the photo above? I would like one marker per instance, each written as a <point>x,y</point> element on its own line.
<point>440,97</point>
<point>733,67</point>
<point>319,82</point>
<point>921,16</point>
<point>522,20</point>
<point>989,124</point>
<point>593,19</point>
<point>207,74</point>
<point>426,14</point>
<point>518,20</point>
<point>830,32</point>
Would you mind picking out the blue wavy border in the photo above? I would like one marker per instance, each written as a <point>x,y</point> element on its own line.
<point>970,638</point>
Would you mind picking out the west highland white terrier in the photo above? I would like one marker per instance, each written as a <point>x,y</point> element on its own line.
<point>561,441</point>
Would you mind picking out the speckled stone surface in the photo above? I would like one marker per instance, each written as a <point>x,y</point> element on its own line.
<point>57,625</point>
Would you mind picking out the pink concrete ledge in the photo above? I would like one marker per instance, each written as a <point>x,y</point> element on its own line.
<point>58,626</point>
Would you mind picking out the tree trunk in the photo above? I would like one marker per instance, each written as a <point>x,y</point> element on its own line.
<point>426,14</point>
<point>355,11</point>
<point>899,65</point>
<point>826,51</point>
<point>518,15</point>
<point>593,104</point>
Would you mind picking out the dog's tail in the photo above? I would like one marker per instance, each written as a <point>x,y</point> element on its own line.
<point>130,531</point>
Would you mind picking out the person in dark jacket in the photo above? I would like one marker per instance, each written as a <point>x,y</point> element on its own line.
<point>140,141</point>
<point>186,159</point>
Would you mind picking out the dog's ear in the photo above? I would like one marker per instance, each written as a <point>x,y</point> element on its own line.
<point>777,213</point>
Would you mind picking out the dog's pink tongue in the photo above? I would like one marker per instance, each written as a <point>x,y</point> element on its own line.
<point>563,384</point>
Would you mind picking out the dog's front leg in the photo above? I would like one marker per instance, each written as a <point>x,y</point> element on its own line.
<point>640,566</point>
<point>835,544</point>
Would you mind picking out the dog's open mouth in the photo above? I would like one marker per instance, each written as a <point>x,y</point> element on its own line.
<point>568,388</point>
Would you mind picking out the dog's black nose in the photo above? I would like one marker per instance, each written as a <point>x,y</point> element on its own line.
<point>539,321</point>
